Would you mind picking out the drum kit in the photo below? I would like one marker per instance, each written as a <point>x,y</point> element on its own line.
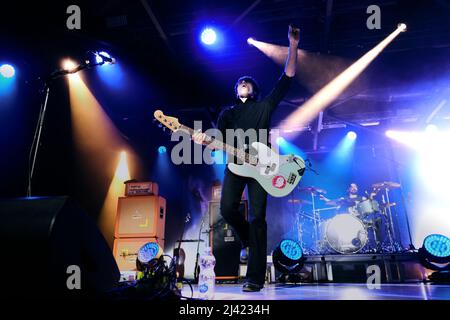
<point>351,225</point>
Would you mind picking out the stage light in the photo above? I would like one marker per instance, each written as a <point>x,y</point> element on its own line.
<point>7,71</point>
<point>323,98</point>
<point>7,83</point>
<point>435,255</point>
<point>148,252</point>
<point>104,57</point>
<point>428,158</point>
<point>251,41</point>
<point>162,149</point>
<point>431,128</point>
<point>98,56</point>
<point>280,140</point>
<point>437,247</point>
<point>402,27</point>
<point>69,65</point>
<point>288,257</point>
<point>208,36</point>
<point>122,171</point>
<point>351,135</point>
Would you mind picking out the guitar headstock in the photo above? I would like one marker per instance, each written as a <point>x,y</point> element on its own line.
<point>169,122</point>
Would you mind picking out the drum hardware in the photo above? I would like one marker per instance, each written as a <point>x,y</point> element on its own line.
<point>314,191</point>
<point>386,185</point>
<point>349,232</point>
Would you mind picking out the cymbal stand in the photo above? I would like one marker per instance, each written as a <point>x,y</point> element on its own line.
<point>388,211</point>
<point>316,218</point>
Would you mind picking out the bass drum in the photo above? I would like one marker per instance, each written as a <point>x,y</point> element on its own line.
<point>346,234</point>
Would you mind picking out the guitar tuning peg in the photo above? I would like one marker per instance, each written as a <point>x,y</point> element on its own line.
<point>164,129</point>
<point>160,125</point>
<point>153,120</point>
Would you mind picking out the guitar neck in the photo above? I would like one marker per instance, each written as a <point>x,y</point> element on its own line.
<point>217,144</point>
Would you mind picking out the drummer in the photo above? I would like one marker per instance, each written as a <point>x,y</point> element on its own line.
<point>350,204</point>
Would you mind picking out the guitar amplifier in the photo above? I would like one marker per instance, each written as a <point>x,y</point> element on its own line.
<point>141,189</point>
<point>225,243</point>
<point>141,217</point>
<point>125,251</point>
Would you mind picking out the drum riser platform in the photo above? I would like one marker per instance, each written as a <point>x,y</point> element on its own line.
<point>394,268</point>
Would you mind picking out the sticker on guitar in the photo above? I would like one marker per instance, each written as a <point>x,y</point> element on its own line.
<point>279,182</point>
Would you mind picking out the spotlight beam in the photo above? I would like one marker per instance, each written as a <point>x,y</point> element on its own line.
<point>311,108</point>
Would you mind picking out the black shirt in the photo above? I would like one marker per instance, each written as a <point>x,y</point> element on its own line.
<point>253,114</point>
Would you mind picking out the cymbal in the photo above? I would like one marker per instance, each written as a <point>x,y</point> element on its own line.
<point>312,189</point>
<point>386,184</point>
<point>299,201</point>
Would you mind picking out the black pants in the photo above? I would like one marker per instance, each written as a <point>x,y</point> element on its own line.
<point>253,234</point>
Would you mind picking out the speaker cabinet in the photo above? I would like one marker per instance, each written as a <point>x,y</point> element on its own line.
<point>225,243</point>
<point>141,217</point>
<point>125,251</point>
<point>43,238</point>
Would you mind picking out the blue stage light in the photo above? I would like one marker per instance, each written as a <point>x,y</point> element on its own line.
<point>280,141</point>
<point>208,36</point>
<point>98,57</point>
<point>162,149</point>
<point>431,128</point>
<point>7,71</point>
<point>351,135</point>
<point>437,245</point>
<point>291,249</point>
<point>148,252</point>
<point>288,257</point>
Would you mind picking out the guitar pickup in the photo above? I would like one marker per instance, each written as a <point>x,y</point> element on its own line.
<point>291,178</point>
<point>270,168</point>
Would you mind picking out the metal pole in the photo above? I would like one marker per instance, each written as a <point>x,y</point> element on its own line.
<point>37,139</point>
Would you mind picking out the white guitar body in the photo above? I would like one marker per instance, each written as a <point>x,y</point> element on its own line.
<point>278,175</point>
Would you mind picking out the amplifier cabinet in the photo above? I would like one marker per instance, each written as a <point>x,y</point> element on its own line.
<point>141,217</point>
<point>125,251</point>
<point>141,189</point>
<point>225,243</point>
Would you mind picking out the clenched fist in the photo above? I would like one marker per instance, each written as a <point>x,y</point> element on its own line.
<point>293,35</point>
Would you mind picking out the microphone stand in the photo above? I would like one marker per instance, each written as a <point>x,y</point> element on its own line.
<point>176,253</point>
<point>47,81</point>
<point>197,257</point>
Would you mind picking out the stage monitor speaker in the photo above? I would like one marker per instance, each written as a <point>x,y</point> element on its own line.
<point>141,217</point>
<point>225,243</point>
<point>50,246</point>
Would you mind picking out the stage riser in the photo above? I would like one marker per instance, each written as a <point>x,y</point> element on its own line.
<point>354,268</point>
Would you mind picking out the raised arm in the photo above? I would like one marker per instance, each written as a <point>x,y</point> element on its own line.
<point>291,61</point>
<point>283,84</point>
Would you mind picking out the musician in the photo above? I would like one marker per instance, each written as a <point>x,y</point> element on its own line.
<point>350,203</point>
<point>251,113</point>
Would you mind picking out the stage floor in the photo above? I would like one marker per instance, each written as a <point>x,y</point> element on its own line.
<point>335,291</point>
